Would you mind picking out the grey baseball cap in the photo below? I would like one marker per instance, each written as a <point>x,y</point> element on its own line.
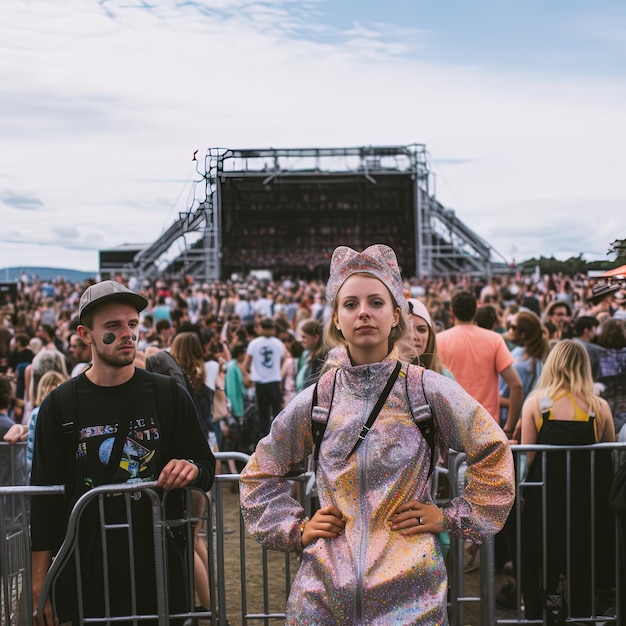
<point>106,291</point>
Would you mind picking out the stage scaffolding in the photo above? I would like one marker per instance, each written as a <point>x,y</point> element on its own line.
<point>284,210</point>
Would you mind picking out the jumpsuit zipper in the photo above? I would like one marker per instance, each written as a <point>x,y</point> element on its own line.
<point>364,515</point>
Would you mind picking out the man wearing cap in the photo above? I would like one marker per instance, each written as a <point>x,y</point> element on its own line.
<point>601,298</point>
<point>559,313</point>
<point>160,442</point>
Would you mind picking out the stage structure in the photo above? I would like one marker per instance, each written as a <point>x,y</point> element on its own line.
<point>285,210</point>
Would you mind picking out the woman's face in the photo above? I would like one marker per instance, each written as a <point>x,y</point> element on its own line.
<point>514,334</point>
<point>309,342</point>
<point>421,334</point>
<point>365,315</point>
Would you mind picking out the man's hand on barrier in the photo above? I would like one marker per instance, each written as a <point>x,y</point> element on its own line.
<point>41,560</point>
<point>178,473</point>
<point>46,619</point>
<point>326,522</point>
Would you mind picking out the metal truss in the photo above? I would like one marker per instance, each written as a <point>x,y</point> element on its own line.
<point>443,244</point>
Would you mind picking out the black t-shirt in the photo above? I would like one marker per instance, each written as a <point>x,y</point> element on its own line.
<point>77,457</point>
<point>105,410</point>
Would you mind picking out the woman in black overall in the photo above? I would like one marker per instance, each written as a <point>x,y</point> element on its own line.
<point>563,410</point>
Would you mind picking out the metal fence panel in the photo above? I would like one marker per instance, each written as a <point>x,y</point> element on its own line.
<point>255,590</point>
<point>155,577</point>
<point>15,553</point>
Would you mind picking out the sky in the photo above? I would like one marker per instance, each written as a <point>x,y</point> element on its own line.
<point>521,107</point>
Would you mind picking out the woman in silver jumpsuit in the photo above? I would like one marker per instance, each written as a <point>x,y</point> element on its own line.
<point>371,552</point>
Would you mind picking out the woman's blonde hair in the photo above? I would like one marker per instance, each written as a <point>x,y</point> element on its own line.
<point>49,381</point>
<point>401,335</point>
<point>568,369</point>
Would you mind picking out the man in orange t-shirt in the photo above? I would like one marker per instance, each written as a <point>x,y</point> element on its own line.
<point>476,357</point>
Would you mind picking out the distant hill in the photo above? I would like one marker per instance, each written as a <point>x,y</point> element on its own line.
<point>9,274</point>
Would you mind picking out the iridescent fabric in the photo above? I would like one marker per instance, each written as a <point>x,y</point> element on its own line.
<point>379,260</point>
<point>371,574</point>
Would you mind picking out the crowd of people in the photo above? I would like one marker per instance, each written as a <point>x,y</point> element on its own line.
<point>252,349</point>
<point>38,334</point>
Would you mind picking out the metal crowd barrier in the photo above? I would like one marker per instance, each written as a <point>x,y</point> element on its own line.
<point>14,535</point>
<point>264,574</point>
<point>13,465</point>
<point>607,599</point>
<point>254,590</point>
<point>15,554</point>
<point>472,597</point>
<point>161,527</point>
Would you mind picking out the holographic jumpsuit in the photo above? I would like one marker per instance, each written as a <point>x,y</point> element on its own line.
<point>371,574</point>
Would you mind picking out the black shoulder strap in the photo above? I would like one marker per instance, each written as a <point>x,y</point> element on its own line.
<point>377,407</point>
<point>162,387</point>
<point>68,404</point>
<point>427,426</point>
<point>318,428</point>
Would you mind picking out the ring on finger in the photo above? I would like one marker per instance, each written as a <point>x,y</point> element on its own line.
<point>419,521</point>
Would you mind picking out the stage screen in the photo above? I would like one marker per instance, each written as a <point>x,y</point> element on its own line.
<point>292,223</point>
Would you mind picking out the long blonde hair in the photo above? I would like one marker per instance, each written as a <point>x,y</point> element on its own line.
<point>49,381</point>
<point>568,369</point>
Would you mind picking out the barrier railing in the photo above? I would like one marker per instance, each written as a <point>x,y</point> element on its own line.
<point>253,588</point>
<point>13,465</point>
<point>15,554</point>
<point>168,534</point>
<point>561,499</point>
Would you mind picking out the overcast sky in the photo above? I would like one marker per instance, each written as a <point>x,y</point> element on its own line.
<point>103,103</point>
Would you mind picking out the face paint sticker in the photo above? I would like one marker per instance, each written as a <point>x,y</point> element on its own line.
<point>133,337</point>
<point>108,338</point>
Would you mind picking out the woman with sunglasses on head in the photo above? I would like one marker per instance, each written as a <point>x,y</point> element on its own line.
<point>531,349</point>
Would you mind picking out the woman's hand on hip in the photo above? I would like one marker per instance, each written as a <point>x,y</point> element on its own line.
<point>415,517</point>
<point>327,522</point>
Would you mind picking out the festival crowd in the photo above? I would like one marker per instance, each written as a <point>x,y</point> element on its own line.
<point>262,343</point>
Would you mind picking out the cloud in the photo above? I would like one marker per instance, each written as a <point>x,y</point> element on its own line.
<point>563,227</point>
<point>109,100</point>
<point>25,201</point>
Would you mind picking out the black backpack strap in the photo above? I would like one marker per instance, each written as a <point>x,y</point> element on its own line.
<point>427,426</point>
<point>162,387</point>
<point>318,426</point>
<point>68,408</point>
<point>320,414</point>
<point>68,404</point>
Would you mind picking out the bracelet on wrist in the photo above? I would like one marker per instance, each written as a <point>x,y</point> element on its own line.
<point>304,522</point>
